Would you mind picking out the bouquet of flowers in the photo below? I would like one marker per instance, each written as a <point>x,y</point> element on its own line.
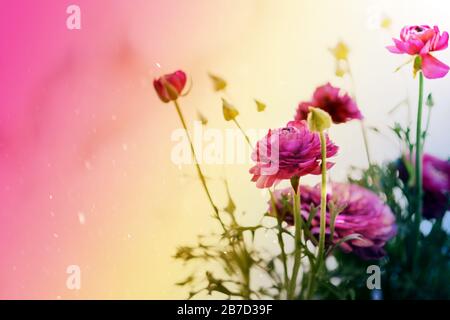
<point>377,235</point>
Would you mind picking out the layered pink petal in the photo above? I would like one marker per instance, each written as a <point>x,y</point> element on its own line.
<point>394,49</point>
<point>442,43</point>
<point>433,68</point>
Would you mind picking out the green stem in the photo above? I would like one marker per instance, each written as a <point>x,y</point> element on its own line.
<point>418,168</point>
<point>309,289</point>
<point>363,126</point>
<point>366,142</point>
<point>323,207</point>
<point>199,171</point>
<point>281,242</point>
<point>427,127</point>
<point>243,133</point>
<point>298,237</point>
<point>323,198</point>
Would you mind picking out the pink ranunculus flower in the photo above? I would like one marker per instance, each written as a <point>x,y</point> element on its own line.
<point>170,86</point>
<point>364,213</point>
<point>288,152</point>
<point>420,41</point>
<point>436,185</point>
<point>339,105</point>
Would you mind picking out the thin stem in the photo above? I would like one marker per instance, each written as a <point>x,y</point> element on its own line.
<point>312,275</point>
<point>418,167</point>
<point>298,237</point>
<point>281,243</point>
<point>323,198</point>
<point>366,142</point>
<point>243,133</point>
<point>427,127</point>
<point>323,206</point>
<point>363,126</point>
<point>199,170</point>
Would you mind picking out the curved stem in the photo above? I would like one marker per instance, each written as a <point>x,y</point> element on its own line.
<point>418,167</point>
<point>298,238</point>
<point>243,133</point>
<point>199,170</point>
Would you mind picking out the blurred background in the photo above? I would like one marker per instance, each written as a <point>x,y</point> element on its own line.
<point>86,176</point>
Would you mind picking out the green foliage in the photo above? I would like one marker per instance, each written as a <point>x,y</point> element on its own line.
<point>402,278</point>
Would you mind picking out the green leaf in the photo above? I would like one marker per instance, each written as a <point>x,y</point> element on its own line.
<point>403,64</point>
<point>229,111</point>
<point>187,281</point>
<point>231,206</point>
<point>260,106</point>
<point>335,210</point>
<point>353,236</point>
<point>219,84</point>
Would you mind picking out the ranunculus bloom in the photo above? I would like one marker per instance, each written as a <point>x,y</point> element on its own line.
<point>169,86</point>
<point>288,152</point>
<point>339,105</point>
<point>436,185</point>
<point>364,214</point>
<point>421,40</point>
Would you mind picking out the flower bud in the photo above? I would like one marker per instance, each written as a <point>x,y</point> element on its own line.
<point>169,86</point>
<point>318,120</point>
<point>229,111</point>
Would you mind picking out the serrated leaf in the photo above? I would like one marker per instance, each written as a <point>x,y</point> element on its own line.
<point>229,111</point>
<point>219,84</point>
<point>260,106</point>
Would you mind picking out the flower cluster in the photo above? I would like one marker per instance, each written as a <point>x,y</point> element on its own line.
<point>358,216</point>
<point>364,213</point>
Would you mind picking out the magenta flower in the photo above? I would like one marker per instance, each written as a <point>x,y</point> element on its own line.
<point>420,41</point>
<point>436,174</point>
<point>288,152</point>
<point>169,86</point>
<point>364,214</point>
<point>436,185</point>
<point>340,106</point>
